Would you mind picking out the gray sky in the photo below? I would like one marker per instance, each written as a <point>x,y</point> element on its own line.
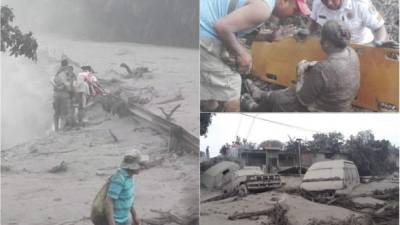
<point>225,127</point>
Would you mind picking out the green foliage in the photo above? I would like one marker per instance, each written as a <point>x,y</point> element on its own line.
<point>205,121</point>
<point>13,40</point>
<point>372,157</point>
<point>293,146</point>
<point>331,142</point>
<point>271,143</point>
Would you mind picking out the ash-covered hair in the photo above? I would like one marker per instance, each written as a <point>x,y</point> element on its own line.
<point>335,33</point>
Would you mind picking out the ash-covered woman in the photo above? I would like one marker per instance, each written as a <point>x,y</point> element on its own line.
<point>329,85</point>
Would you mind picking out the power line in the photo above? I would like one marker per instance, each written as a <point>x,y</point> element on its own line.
<point>237,130</point>
<point>251,127</point>
<point>283,124</point>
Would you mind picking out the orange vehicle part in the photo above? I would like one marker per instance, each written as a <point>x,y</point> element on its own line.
<point>276,63</point>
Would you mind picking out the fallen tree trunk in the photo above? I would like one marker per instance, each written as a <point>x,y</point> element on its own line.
<point>220,197</point>
<point>180,139</point>
<point>168,217</point>
<point>244,215</point>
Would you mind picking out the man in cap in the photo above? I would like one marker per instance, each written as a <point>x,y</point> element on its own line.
<point>120,207</point>
<point>221,22</point>
<point>365,23</point>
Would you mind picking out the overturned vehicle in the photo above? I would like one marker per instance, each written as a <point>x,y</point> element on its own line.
<point>251,179</point>
<point>329,179</point>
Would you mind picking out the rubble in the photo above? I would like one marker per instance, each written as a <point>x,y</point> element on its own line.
<point>352,220</point>
<point>277,215</point>
<point>386,194</point>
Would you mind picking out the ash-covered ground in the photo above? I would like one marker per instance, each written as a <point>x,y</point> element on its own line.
<point>84,158</point>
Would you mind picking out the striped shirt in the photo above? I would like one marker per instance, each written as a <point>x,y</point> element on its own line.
<point>121,190</point>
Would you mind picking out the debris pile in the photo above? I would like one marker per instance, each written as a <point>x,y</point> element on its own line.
<point>136,73</point>
<point>168,218</point>
<point>353,220</point>
<point>277,215</point>
<point>387,214</point>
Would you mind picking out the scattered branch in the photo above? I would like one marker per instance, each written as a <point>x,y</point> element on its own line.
<point>168,116</point>
<point>113,135</point>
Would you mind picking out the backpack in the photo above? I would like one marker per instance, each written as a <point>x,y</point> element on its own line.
<point>98,213</point>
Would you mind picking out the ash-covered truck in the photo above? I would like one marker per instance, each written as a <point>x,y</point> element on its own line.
<point>251,179</point>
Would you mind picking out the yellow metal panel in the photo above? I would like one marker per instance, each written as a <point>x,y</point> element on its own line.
<point>276,63</point>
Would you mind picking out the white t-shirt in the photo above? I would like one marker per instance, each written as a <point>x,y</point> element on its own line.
<point>359,16</point>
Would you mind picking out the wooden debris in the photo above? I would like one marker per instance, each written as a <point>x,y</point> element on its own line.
<point>59,168</point>
<point>168,217</point>
<point>277,215</point>
<point>387,194</point>
<point>138,72</point>
<point>180,139</point>
<point>60,152</point>
<point>113,135</point>
<point>220,197</point>
<point>178,97</point>
<point>168,116</point>
<point>352,220</point>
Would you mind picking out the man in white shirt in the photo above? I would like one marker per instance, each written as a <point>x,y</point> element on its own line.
<point>365,23</point>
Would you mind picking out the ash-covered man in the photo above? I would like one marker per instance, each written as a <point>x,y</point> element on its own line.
<point>63,91</point>
<point>326,86</point>
<point>120,207</point>
<point>221,22</point>
<point>365,23</point>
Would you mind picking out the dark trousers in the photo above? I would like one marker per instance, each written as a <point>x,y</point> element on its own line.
<point>284,100</point>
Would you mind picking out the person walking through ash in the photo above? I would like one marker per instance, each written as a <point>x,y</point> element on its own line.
<point>115,202</point>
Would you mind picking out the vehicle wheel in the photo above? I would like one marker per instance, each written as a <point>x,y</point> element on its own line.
<point>242,190</point>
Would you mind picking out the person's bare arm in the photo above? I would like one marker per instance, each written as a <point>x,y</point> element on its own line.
<point>110,210</point>
<point>135,218</point>
<point>381,34</point>
<point>252,14</point>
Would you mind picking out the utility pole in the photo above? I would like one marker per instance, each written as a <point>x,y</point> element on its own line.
<point>299,149</point>
<point>266,160</point>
